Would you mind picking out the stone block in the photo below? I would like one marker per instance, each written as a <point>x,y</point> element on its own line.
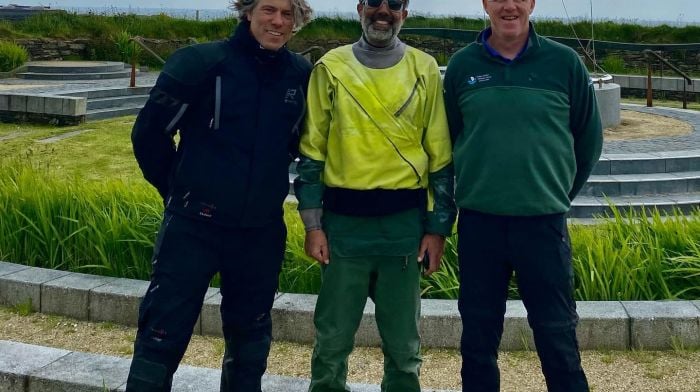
<point>18,360</point>
<point>195,379</point>
<point>70,295</point>
<point>10,268</point>
<point>639,82</point>
<point>292,318</point>
<point>210,317</point>
<point>622,80</point>
<point>4,102</point>
<point>25,285</point>
<point>368,333</point>
<point>53,105</point>
<point>636,164</point>
<point>74,106</point>
<point>80,372</point>
<point>603,325</point>
<point>211,293</point>
<point>440,324</point>
<point>118,301</point>
<point>652,184</point>
<point>18,103</point>
<point>517,334</point>
<point>663,324</point>
<point>670,84</point>
<point>602,167</point>
<point>35,104</point>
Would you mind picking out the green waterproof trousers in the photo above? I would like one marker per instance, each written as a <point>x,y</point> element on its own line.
<point>372,257</point>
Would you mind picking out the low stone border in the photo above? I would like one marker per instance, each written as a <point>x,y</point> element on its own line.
<point>43,108</point>
<point>610,325</point>
<point>29,368</point>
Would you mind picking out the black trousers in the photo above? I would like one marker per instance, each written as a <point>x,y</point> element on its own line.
<point>538,250</point>
<point>187,254</point>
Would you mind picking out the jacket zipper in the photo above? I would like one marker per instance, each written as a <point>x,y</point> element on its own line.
<point>408,101</point>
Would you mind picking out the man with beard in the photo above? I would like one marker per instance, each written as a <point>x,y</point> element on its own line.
<point>526,134</point>
<point>223,188</point>
<point>375,193</point>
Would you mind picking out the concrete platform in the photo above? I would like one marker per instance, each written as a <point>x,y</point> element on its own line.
<point>29,368</point>
<point>609,325</point>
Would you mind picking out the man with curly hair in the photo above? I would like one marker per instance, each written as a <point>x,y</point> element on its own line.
<point>237,105</point>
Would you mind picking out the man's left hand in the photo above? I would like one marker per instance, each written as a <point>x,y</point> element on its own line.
<point>434,246</point>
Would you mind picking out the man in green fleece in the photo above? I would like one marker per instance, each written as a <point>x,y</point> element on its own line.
<point>375,191</point>
<point>526,134</point>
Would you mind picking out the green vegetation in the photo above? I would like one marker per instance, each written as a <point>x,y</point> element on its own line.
<point>11,56</point>
<point>73,25</point>
<point>80,204</point>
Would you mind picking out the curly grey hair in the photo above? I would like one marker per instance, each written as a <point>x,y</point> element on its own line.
<point>300,8</point>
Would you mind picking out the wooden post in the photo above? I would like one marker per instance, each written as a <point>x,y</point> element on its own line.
<point>650,98</point>
<point>132,82</point>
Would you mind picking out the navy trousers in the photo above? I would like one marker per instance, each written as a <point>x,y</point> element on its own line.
<point>538,250</point>
<point>186,256</point>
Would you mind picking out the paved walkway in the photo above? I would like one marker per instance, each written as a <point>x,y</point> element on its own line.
<point>24,86</point>
<point>673,143</point>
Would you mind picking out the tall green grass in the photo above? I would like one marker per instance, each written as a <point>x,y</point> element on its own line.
<point>12,56</point>
<point>108,228</point>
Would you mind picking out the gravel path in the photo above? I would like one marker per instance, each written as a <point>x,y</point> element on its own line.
<point>644,371</point>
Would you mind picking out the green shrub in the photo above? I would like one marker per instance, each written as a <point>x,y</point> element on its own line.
<point>12,56</point>
<point>614,64</point>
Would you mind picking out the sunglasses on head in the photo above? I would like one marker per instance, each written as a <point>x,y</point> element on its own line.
<point>394,5</point>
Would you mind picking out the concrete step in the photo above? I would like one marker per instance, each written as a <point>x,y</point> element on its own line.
<point>74,76</point>
<point>74,67</point>
<point>101,114</point>
<point>109,92</point>
<point>116,102</point>
<point>647,163</point>
<point>642,184</point>
<point>590,206</point>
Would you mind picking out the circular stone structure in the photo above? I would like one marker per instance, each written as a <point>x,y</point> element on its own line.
<point>608,96</point>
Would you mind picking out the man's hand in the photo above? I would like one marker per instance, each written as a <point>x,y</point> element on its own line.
<point>434,245</point>
<point>316,246</point>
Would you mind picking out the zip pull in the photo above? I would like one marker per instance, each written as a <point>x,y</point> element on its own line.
<point>405,263</point>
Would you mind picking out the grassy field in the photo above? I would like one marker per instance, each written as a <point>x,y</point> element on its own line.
<point>80,204</point>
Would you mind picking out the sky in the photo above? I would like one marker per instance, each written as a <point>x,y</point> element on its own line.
<point>674,11</point>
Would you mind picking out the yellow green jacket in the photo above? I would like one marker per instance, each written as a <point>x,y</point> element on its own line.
<point>377,129</point>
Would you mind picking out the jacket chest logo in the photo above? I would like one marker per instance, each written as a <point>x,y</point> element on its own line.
<point>290,96</point>
<point>475,79</point>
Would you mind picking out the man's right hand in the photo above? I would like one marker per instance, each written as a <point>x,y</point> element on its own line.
<point>316,246</point>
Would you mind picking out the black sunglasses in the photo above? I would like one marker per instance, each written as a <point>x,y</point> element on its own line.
<point>394,5</point>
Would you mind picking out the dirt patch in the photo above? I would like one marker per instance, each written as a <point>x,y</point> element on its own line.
<point>615,371</point>
<point>639,126</point>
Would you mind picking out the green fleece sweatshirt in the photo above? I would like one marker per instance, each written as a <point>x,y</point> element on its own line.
<point>526,134</point>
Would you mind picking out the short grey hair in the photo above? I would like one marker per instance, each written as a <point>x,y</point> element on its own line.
<point>301,11</point>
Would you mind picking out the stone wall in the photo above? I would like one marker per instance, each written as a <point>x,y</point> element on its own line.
<point>441,49</point>
<point>54,49</point>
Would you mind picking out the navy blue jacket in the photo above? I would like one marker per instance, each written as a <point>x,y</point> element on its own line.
<point>238,109</point>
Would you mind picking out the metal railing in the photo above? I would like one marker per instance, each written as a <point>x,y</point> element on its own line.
<point>650,57</point>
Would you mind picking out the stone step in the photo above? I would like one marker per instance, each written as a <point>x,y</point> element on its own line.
<point>647,163</point>
<point>116,102</point>
<point>642,184</point>
<point>73,76</point>
<point>109,92</point>
<point>590,206</point>
<point>74,67</point>
<point>101,114</point>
